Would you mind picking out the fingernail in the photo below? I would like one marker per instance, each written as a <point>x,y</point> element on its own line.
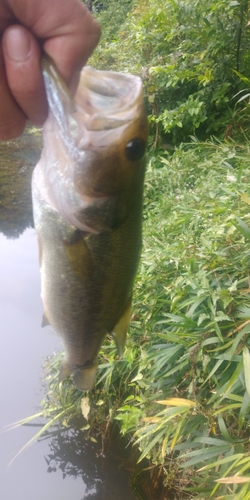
<point>17,44</point>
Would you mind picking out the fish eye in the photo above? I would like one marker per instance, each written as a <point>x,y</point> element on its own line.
<point>135,149</point>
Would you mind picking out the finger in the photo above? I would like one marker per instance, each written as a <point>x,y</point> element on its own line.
<point>68,30</point>
<point>12,119</point>
<point>71,50</point>
<point>22,64</point>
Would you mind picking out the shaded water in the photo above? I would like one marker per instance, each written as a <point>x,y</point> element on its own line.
<point>64,467</point>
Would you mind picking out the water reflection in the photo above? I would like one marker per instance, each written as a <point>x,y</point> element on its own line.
<point>17,160</point>
<point>104,475</point>
<point>65,467</point>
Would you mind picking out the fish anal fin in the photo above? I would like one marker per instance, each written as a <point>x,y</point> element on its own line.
<point>45,321</point>
<point>121,328</point>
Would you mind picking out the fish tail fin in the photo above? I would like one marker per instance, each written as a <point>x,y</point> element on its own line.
<point>84,378</point>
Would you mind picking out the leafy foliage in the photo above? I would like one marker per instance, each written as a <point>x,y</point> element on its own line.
<point>188,54</point>
<point>182,390</point>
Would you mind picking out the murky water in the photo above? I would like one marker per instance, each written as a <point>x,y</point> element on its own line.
<point>63,467</point>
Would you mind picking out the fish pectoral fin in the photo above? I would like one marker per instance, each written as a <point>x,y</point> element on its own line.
<point>121,328</point>
<point>45,321</point>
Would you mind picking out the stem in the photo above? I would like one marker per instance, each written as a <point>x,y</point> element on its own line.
<point>89,5</point>
<point>243,8</point>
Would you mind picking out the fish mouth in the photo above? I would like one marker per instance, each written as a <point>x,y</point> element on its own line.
<point>108,100</point>
<point>84,137</point>
<point>104,101</point>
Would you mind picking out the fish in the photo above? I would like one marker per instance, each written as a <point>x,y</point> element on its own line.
<point>87,194</point>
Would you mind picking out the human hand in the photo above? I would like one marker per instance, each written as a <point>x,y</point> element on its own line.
<point>64,29</point>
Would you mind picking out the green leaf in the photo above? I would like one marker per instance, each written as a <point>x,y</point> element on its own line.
<point>203,454</point>
<point>222,461</point>
<point>223,429</point>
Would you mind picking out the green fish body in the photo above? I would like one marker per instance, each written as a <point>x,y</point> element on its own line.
<point>87,202</point>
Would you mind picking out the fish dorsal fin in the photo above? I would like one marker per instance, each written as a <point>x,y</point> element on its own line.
<point>121,328</point>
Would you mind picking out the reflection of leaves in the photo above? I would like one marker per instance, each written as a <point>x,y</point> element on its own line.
<point>74,456</point>
<point>17,160</point>
<point>104,476</point>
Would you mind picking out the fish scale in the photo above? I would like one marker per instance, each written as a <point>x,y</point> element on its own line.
<point>87,191</point>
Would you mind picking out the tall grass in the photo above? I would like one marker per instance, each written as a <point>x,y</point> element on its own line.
<point>181,392</point>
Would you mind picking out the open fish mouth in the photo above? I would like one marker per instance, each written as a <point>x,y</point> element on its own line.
<point>82,129</point>
<point>104,101</point>
<point>108,99</point>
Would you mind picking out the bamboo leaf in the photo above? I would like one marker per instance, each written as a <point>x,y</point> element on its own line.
<point>25,421</point>
<point>246,365</point>
<point>223,429</point>
<point>177,432</point>
<point>233,480</point>
<point>244,407</point>
<point>49,424</point>
<point>225,460</point>
<point>151,444</point>
<point>177,402</point>
<point>203,454</point>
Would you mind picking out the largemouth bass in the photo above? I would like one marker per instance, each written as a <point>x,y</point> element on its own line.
<point>87,193</point>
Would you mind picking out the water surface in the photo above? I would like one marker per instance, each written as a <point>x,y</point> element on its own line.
<point>64,467</point>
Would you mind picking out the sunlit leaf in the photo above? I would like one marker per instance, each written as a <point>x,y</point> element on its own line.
<point>244,197</point>
<point>85,407</point>
<point>233,480</point>
<point>177,402</point>
<point>232,458</point>
<point>46,426</point>
<point>246,364</point>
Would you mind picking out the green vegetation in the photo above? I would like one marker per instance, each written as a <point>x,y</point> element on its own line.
<point>17,160</point>
<point>193,56</point>
<point>182,390</point>
<point>181,393</point>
